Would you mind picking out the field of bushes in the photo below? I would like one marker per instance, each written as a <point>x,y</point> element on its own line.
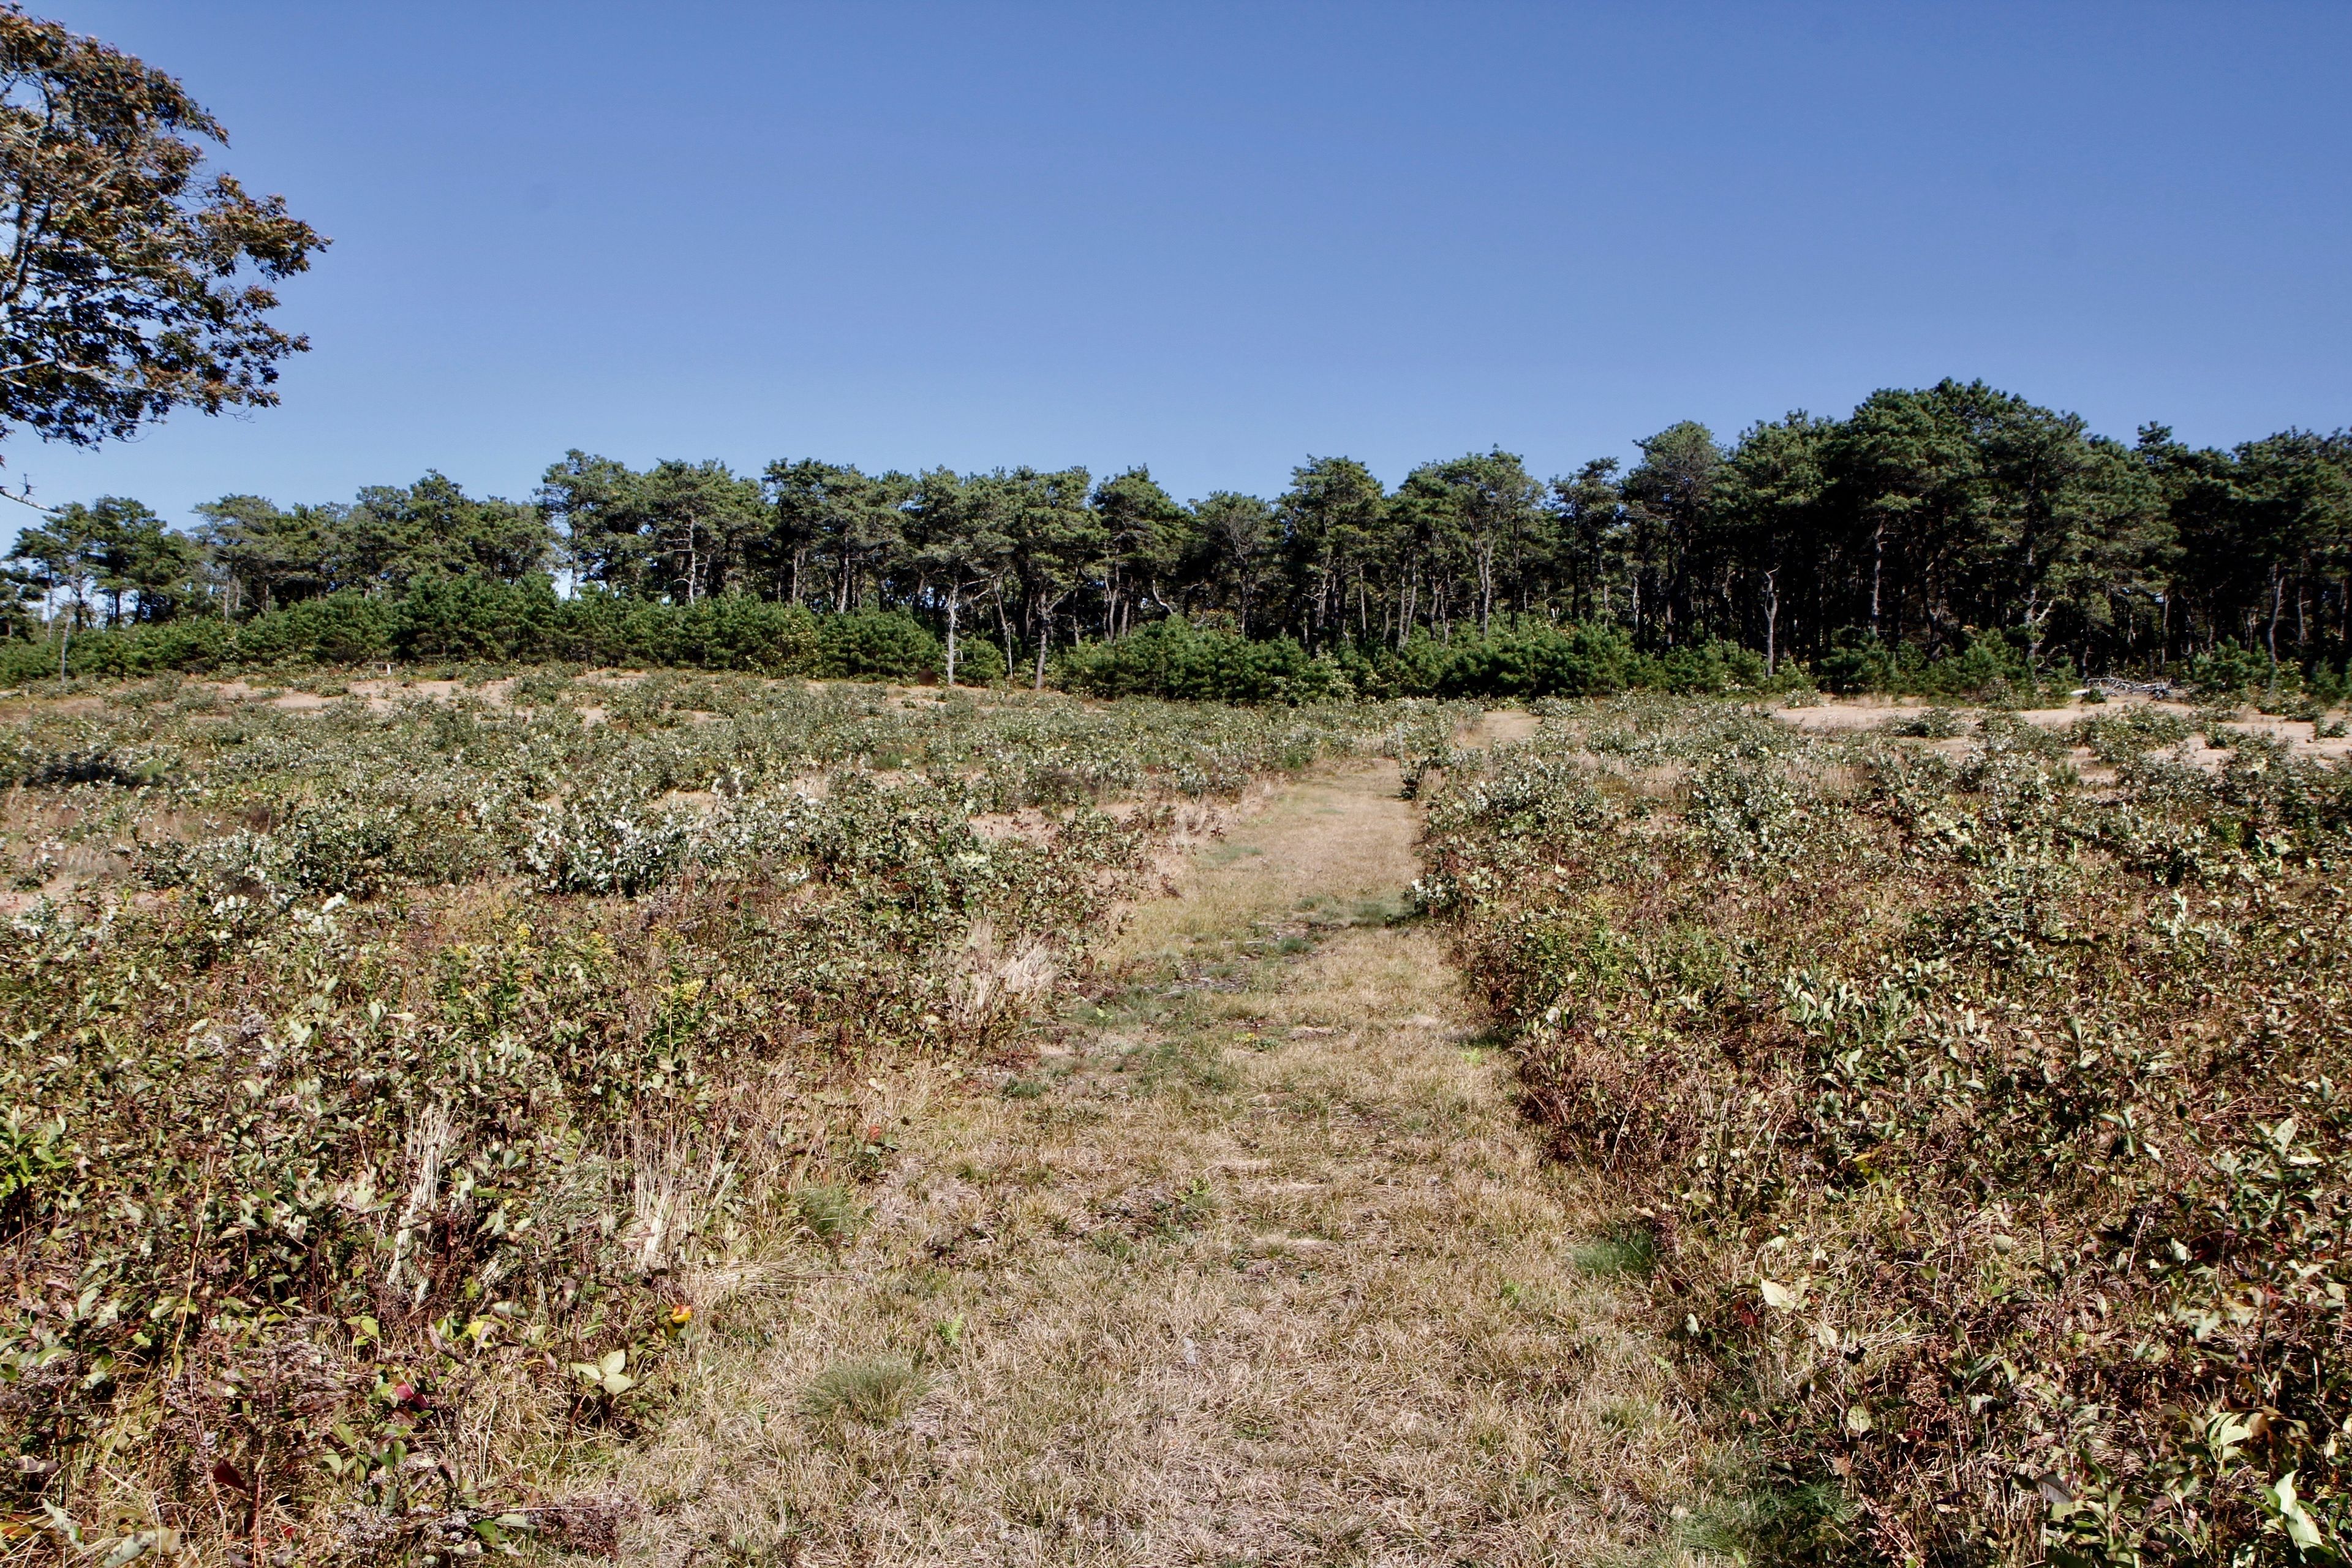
<point>1975,1092</point>
<point>390,1085</point>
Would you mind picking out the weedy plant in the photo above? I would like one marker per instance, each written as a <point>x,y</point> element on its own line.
<point>382,1077</point>
<point>1989,1133</point>
<point>875,1392</point>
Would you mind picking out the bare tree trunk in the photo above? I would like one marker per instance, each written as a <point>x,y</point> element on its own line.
<point>1877,572</point>
<point>1044,635</point>
<point>2278,594</point>
<point>1772,620</point>
<point>955,592</point>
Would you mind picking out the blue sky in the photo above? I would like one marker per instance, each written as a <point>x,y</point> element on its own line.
<point>1218,239</point>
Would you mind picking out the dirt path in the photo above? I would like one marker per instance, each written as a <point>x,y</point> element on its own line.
<point>1257,1264</point>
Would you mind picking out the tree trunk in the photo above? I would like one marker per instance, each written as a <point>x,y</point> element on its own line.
<point>1877,572</point>
<point>954,593</point>
<point>2278,595</point>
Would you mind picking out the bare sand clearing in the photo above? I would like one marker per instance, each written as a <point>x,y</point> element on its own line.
<point>1845,715</point>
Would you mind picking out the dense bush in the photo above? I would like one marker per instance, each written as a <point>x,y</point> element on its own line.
<point>473,620</point>
<point>1530,659</point>
<point>1173,659</point>
<point>1985,665</point>
<point>1516,658</point>
<point>1987,1131</point>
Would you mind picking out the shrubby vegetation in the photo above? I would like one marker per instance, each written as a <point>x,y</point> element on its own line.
<point>388,1088</point>
<point>467,620</point>
<point>1516,658</point>
<point>1979,1116</point>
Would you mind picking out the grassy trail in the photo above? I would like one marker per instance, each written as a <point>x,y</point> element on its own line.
<point>1255,1264</point>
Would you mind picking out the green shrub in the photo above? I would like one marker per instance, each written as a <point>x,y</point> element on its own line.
<point>474,621</point>
<point>1987,666</point>
<point>884,645</point>
<point>1541,660</point>
<point>1171,660</point>
<point>2228,668</point>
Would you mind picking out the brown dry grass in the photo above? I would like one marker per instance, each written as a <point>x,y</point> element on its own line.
<point>1256,1263</point>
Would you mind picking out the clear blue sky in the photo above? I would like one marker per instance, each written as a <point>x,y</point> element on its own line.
<point>1218,239</point>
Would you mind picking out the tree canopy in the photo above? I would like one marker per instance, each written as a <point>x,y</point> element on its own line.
<point>1920,525</point>
<point>130,284</point>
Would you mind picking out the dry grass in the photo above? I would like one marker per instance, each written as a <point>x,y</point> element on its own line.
<point>1257,1263</point>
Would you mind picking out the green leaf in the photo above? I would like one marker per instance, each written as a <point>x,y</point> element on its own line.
<point>2301,1527</point>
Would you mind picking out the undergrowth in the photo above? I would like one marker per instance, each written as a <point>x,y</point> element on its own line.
<point>391,1088</point>
<point>1987,1128</point>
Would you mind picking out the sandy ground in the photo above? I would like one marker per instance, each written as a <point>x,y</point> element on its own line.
<point>1253,1261</point>
<point>1840,715</point>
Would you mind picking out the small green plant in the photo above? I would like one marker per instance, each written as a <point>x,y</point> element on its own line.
<point>33,1151</point>
<point>1799,1526</point>
<point>2129,732</point>
<point>1627,1252</point>
<point>830,1211</point>
<point>607,1375</point>
<point>874,1392</point>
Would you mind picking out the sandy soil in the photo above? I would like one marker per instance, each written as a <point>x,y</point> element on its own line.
<point>1845,715</point>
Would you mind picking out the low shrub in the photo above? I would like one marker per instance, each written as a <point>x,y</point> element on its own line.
<point>392,1075</point>
<point>1987,1131</point>
<point>1171,660</point>
<point>469,620</point>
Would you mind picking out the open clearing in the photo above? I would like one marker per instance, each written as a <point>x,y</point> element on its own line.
<point>1255,1261</point>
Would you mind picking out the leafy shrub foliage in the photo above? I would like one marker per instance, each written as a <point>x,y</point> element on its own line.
<point>1989,1131</point>
<point>1516,658</point>
<point>469,619</point>
<point>1171,660</point>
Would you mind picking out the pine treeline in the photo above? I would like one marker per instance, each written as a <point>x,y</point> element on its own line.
<point>1927,527</point>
